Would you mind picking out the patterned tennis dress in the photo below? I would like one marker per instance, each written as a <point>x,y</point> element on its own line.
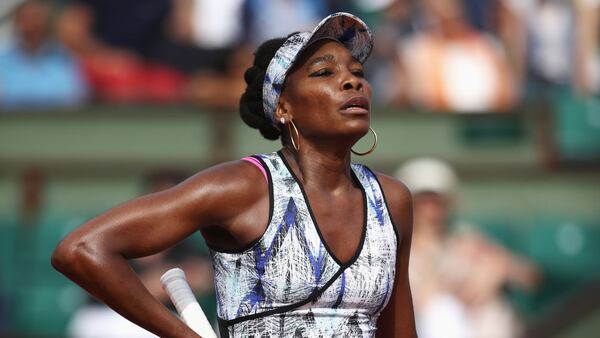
<point>289,284</point>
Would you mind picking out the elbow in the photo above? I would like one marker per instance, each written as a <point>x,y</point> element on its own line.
<point>61,256</point>
<point>71,254</point>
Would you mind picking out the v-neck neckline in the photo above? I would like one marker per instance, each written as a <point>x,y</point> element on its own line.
<point>314,219</point>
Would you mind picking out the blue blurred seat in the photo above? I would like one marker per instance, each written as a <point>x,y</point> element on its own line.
<point>46,310</point>
<point>42,300</point>
<point>567,250</point>
<point>499,228</point>
<point>7,241</point>
<point>51,230</point>
<point>566,246</point>
<point>577,128</point>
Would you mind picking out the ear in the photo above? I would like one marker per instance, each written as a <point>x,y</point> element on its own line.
<point>284,110</point>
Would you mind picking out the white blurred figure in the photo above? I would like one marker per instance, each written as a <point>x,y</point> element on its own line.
<point>450,66</point>
<point>208,24</point>
<point>456,278</point>
<point>218,53</point>
<point>438,312</point>
<point>99,321</point>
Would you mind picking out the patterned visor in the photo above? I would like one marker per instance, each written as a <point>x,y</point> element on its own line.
<point>346,28</point>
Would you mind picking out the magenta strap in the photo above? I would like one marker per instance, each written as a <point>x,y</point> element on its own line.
<point>258,164</point>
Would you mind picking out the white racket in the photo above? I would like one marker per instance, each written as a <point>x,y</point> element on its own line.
<point>178,289</point>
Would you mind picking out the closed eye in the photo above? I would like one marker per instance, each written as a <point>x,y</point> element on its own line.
<point>359,73</point>
<point>321,72</point>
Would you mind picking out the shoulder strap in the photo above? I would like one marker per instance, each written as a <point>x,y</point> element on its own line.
<point>257,163</point>
<point>375,196</point>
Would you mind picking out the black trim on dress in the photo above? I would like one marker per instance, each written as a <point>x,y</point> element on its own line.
<point>314,220</point>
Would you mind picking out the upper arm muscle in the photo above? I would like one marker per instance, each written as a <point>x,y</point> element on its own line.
<point>154,222</point>
<point>397,319</point>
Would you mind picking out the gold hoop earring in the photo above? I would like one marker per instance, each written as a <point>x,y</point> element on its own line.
<point>372,147</point>
<point>295,144</point>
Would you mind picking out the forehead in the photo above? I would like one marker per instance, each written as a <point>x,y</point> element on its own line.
<point>324,50</point>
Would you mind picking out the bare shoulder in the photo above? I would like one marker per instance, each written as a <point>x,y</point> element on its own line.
<point>396,193</point>
<point>234,175</point>
<point>222,191</point>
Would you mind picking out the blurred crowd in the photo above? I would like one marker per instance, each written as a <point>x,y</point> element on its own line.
<point>457,274</point>
<point>435,55</point>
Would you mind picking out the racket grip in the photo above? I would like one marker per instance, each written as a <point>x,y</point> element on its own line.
<point>176,286</point>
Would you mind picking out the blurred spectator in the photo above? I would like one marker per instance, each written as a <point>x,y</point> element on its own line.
<point>276,18</point>
<point>456,278</point>
<point>391,21</point>
<point>96,320</point>
<point>479,13</point>
<point>207,24</point>
<point>111,40</point>
<point>587,60</point>
<point>208,42</point>
<point>36,71</point>
<point>450,66</point>
<point>158,50</point>
<point>560,48</point>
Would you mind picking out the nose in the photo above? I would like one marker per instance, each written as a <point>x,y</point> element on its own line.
<point>351,81</point>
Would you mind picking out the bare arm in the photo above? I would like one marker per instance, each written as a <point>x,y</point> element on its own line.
<point>398,319</point>
<point>586,44</point>
<point>95,254</point>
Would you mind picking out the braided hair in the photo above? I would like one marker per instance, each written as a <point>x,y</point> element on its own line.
<point>251,102</point>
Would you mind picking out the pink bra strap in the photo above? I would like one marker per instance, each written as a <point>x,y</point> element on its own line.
<point>258,164</point>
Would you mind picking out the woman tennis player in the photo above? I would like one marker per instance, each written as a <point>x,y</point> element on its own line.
<point>304,243</point>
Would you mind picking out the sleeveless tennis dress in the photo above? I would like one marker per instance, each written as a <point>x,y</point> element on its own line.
<point>289,284</point>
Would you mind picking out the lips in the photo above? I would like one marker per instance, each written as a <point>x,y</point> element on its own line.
<point>356,105</point>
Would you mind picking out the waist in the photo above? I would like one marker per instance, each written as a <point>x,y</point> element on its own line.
<point>306,322</point>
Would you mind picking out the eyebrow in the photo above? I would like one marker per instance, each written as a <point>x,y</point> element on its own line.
<point>323,58</point>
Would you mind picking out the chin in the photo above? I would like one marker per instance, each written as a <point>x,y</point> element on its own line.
<point>359,125</point>
<point>354,129</point>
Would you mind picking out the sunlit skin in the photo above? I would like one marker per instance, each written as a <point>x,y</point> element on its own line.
<point>318,88</point>
<point>229,203</point>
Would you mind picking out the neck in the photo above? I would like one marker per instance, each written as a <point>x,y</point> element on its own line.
<point>31,47</point>
<point>320,167</point>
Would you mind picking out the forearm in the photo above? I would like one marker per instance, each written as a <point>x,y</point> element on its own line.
<point>109,278</point>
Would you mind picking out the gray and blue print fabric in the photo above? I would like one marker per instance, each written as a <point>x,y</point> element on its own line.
<point>289,284</point>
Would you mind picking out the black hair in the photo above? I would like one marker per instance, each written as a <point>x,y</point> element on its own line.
<point>251,102</point>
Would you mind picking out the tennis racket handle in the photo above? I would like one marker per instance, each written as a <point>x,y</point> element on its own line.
<point>178,289</point>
